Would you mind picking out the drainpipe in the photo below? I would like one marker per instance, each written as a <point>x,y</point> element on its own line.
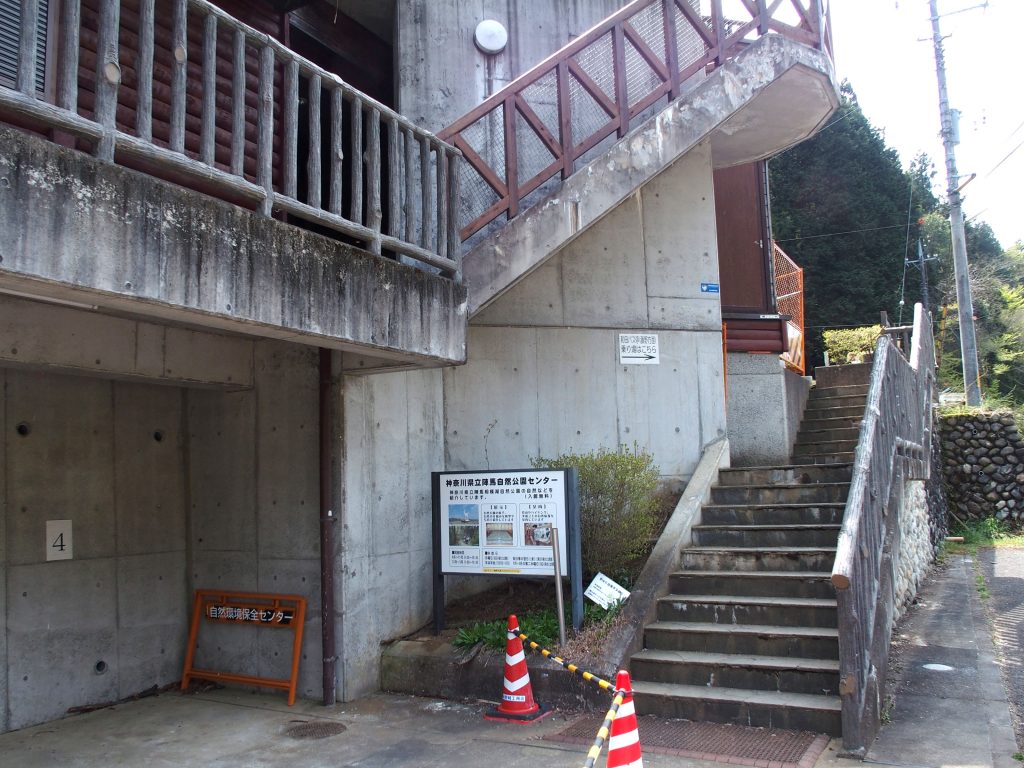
<point>327,530</point>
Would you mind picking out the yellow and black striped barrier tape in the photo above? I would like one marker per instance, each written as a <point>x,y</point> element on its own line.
<point>571,667</point>
<point>602,732</point>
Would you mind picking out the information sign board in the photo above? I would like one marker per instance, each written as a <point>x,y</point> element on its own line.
<point>504,522</point>
<point>639,349</point>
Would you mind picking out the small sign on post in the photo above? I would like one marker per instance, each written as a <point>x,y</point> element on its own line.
<point>639,349</point>
<point>606,592</point>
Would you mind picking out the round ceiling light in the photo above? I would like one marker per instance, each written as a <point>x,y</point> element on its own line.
<point>491,36</point>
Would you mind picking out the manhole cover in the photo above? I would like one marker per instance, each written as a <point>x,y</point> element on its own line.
<point>314,729</point>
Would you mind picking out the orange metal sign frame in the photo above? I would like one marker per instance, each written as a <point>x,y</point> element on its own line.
<point>259,609</point>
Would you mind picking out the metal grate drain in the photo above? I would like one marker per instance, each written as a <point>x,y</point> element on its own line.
<point>711,741</point>
<point>314,729</point>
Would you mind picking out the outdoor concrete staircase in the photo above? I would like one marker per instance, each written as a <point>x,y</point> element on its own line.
<point>748,632</point>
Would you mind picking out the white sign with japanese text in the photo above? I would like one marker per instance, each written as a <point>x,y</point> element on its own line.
<point>606,592</point>
<point>59,544</point>
<point>500,522</point>
<point>638,349</point>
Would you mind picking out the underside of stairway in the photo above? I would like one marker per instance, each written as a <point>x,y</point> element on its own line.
<point>747,633</point>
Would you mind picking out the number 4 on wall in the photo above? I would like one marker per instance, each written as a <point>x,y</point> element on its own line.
<point>58,540</point>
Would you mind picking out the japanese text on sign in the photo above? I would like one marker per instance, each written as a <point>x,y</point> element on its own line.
<point>638,349</point>
<point>501,522</point>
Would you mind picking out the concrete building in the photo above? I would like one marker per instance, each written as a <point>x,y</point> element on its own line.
<point>247,308</point>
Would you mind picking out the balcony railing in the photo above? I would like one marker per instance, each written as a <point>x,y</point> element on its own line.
<point>893,447</point>
<point>181,89</point>
<point>789,300</point>
<point>544,121</point>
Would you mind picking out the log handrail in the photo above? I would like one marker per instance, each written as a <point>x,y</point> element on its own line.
<point>502,116</point>
<point>892,448</point>
<point>263,175</point>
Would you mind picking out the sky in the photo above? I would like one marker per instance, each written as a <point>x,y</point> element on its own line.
<point>877,49</point>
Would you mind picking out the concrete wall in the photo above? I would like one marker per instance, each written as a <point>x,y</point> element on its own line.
<point>394,439</point>
<point>442,74</point>
<point>765,406</point>
<point>543,364</point>
<point>101,234</point>
<point>168,488</point>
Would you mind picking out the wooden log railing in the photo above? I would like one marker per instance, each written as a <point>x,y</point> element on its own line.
<point>893,447</point>
<point>540,124</point>
<point>358,168</point>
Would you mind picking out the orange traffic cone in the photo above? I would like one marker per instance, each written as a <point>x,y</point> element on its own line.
<point>624,742</point>
<point>517,703</point>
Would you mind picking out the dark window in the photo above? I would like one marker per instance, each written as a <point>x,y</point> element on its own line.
<point>10,34</point>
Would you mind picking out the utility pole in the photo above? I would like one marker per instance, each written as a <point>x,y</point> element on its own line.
<point>965,306</point>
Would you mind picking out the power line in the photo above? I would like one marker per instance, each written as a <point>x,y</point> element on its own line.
<point>837,234</point>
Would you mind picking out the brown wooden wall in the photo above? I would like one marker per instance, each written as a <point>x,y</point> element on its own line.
<point>743,239</point>
<point>255,13</point>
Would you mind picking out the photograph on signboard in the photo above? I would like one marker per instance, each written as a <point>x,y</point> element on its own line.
<point>464,525</point>
<point>499,535</point>
<point>537,534</point>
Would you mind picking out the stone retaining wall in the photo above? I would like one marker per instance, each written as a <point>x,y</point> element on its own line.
<point>983,466</point>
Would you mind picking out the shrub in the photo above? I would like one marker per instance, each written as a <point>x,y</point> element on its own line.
<point>620,511</point>
<point>851,345</point>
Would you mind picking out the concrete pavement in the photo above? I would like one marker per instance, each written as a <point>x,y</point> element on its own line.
<point>950,710</point>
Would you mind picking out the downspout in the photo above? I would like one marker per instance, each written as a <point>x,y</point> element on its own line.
<point>327,531</point>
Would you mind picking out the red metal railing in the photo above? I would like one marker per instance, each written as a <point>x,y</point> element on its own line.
<point>544,121</point>
<point>789,300</point>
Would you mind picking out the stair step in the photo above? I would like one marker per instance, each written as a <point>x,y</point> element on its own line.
<point>824,448</point>
<point>727,670</point>
<point>837,401</point>
<point>807,642</point>
<point>763,583</point>
<point>832,412</point>
<point>790,474</point>
<point>779,494</point>
<point>843,457</point>
<point>826,435</point>
<point>770,709</point>
<point>758,559</point>
<point>773,514</point>
<point>749,609</point>
<point>838,422</point>
<point>839,390</point>
<point>765,535</point>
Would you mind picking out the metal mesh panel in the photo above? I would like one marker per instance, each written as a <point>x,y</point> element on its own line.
<point>689,43</point>
<point>487,138</point>
<point>587,114</point>
<point>534,155</point>
<point>640,78</point>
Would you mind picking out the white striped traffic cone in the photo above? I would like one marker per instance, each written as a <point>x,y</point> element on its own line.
<point>624,742</point>
<point>517,702</point>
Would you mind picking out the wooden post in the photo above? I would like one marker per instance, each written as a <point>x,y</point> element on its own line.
<point>356,207</point>
<point>291,127</point>
<point>511,155</point>
<point>108,76</point>
<point>442,200</point>
<point>238,106</point>
<point>671,48</point>
<point>454,245</point>
<point>179,52</point>
<point>144,73</point>
<point>426,196</point>
<point>71,22</point>
<point>374,213</point>
<point>394,183</point>
<point>621,86</point>
<point>27,47</point>
<point>314,180</point>
<point>265,129</point>
<point>208,123</point>
<point>565,119</point>
<point>337,149</point>
<point>410,186</point>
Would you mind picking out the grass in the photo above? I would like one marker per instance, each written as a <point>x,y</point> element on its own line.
<point>1018,756</point>
<point>540,626</point>
<point>977,534</point>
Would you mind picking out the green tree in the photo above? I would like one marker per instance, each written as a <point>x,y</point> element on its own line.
<point>840,209</point>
